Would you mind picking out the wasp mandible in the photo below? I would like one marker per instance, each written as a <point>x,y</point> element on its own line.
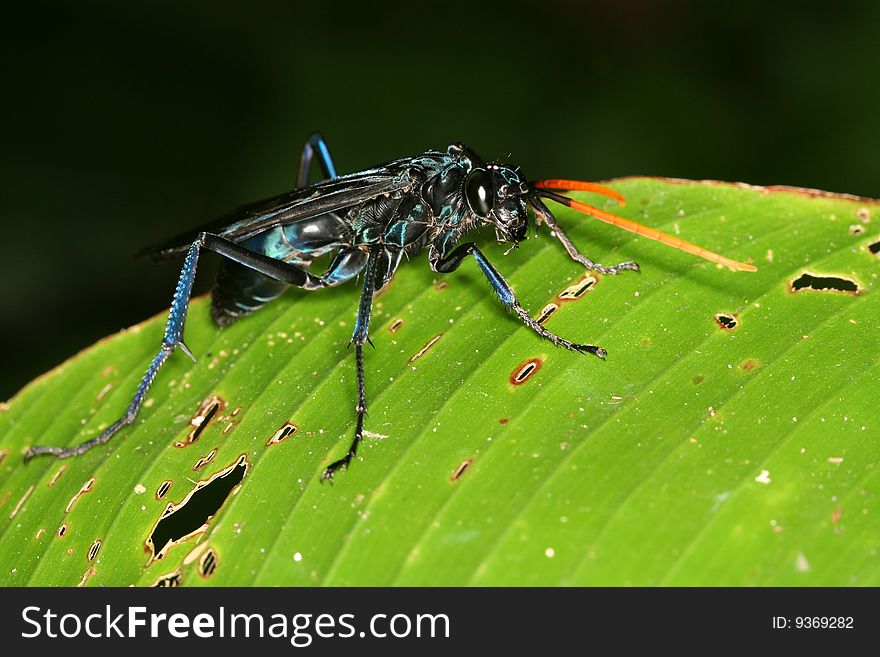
<point>367,222</point>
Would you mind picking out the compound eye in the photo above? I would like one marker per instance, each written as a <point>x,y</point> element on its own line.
<point>480,192</point>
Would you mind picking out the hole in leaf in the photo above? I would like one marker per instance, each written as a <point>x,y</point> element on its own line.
<point>205,460</point>
<point>93,550</point>
<point>205,413</point>
<point>525,371</point>
<point>395,325</point>
<point>874,248</point>
<point>164,487</point>
<point>208,564</point>
<point>191,515</point>
<point>463,467</point>
<point>579,289</point>
<point>725,321</point>
<point>819,283</point>
<point>169,581</point>
<point>62,530</point>
<point>287,429</point>
<point>547,312</point>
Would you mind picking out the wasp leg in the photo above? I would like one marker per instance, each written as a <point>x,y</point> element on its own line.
<point>359,337</point>
<point>345,266</point>
<point>576,255</point>
<point>315,145</point>
<point>172,339</point>
<point>505,293</point>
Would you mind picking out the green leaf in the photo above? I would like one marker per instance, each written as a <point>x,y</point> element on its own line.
<point>694,455</point>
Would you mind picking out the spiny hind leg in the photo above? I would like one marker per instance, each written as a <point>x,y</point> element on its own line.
<point>359,337</point>
<point>172,338</point>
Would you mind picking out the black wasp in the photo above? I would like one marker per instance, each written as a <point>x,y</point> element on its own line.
<point>369,221</point>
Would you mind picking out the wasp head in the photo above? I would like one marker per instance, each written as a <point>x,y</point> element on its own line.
<point>496,195</point>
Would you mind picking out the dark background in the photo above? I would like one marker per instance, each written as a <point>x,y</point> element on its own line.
<point>124,123</point>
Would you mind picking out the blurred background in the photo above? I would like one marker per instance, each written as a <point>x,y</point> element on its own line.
<point>124,123</point>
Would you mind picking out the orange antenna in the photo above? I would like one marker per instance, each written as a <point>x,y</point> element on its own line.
<point>639,229</point>
<point>580,186</point>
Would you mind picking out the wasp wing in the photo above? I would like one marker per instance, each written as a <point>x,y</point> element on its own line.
<point>332,195</point>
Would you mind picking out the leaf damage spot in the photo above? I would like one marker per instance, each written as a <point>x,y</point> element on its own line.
<point>546,313</point>
<point>208,563</point>
<point>874,248</point>
<point>726,322</point>
<point>21,502</point>
<point>86,488</point>
<point>463,467</point>
<point>763,477</point>
<point>698,379</point>
<point>205,413</point>
<point>287,429</point>
<point>93,550</point>
<point>394,327</point>
<point>56,476</point>
<point>205,460</point>
<point>525,371</point>
<point>442,285</point>
<point>168,581</point>
<point>425,349</point>
<point>3,454</point>
<point>820,283</point>
<point>163,489</point>
<point>86,576</point>
<point>103,392</point>
<point>748,365</point>
<point>190,517</point>
<point>577,290</point>
<point>62,530</point>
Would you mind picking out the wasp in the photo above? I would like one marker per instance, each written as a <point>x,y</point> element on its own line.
<point>367,223</point>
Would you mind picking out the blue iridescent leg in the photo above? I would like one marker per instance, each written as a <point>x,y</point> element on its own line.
<point>359,337</point>
<point>505,293</point>
<point>346,265</point>
<point>315,145</point>
<point>172,338</point>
